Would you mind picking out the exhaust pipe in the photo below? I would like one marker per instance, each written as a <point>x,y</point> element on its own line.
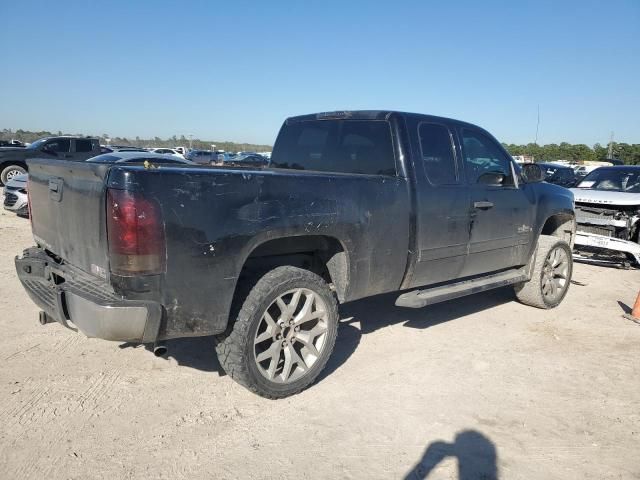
<point>160,349</point>
<point>43,318</point>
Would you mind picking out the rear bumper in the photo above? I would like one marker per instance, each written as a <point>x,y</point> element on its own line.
<point>74,298</point>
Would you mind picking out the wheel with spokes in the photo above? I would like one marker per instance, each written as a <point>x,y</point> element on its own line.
<point>283,335</point>
<point>10,171</point>
<point>550,275</point>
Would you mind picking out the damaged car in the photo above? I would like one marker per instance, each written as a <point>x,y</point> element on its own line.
<point>607,206</point>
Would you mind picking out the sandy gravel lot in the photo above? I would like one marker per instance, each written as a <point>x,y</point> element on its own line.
<point>481,387</point>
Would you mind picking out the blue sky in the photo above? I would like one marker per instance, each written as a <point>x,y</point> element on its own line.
<point>235,70</point>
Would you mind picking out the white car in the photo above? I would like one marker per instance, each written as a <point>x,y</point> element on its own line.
<point>167,151</point>
<point>15,195</point>
<point>607,205</point>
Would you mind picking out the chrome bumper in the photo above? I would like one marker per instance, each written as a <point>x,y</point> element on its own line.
<point>73,298</point>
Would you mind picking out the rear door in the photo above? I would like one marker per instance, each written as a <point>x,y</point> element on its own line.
<point>84,148</point>
<point>501,214</point>
<point>442,206</point>
<point>68,211</point>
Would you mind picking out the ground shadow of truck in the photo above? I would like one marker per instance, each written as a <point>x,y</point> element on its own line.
<point>357,318</point>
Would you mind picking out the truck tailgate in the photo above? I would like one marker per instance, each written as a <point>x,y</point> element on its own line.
<point>68,211</point>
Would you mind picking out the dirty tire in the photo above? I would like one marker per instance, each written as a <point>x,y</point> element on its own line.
<point>11,171</point>
<point>236,349</point>
<point>532,292</point>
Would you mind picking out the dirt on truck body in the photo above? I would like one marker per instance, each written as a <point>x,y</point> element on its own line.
<point>352,204</point>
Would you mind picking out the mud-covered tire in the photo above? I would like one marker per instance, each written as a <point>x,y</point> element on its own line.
<point>537,291</point>
<point>237,348</point>
<point>7,172</point>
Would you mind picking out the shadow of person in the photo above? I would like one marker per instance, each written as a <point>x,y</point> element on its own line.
<point>476,455</point>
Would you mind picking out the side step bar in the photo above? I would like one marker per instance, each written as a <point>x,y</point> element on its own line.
<point>422,298</point>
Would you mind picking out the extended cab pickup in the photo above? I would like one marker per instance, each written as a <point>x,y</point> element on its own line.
<point>13,160</point>
<point>353,204</point>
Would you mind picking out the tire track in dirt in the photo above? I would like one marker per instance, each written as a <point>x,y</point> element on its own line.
<point>87,404</point>
<point>18,406</point>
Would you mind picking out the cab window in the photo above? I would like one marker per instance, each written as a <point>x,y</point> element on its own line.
<point>483,159</point>
<point>438,160</point>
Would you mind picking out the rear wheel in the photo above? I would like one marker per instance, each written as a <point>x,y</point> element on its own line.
<point>550,275</point>
<point>10,171</point>
<point>283,335</point>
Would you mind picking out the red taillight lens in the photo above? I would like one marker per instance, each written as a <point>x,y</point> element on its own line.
<point>136,234</point>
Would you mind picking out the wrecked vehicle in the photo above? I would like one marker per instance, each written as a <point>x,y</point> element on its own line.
<point>352,204</point>
<point>608,213</point>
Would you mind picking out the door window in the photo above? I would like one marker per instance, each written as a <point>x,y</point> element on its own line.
<point>83,146</point>
<point>483,157</point>
<point>438,160</point>
<point>61,145</point>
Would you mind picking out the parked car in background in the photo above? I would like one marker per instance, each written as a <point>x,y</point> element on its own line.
<point>181,150</point>
<point>166,151</point>
<point>562,175</point>
<point>121,148</point>
<point>12,143</point>
<point>140,158</point>
<point>378,202</point>
<point>253,160</point>
<point>15,195</point>
<point>608,211</point>
<point>204,157</point>
<point>13,161</point>
<point>582,171</point>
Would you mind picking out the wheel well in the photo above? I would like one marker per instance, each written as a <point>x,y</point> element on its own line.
<point>561,225</point>
<point>320,254</point>
<point>18,163</point>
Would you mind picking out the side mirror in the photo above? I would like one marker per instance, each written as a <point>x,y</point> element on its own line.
<point>492,178</point>
<point>532,173</point>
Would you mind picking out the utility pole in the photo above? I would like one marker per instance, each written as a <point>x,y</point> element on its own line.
<point>190,141</point>
<point>610,152</point>
<point>537,125</point>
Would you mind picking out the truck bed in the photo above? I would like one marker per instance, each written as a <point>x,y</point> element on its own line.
<point>214,219</point>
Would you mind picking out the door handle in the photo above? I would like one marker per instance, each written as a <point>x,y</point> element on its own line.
<point>483,205</point>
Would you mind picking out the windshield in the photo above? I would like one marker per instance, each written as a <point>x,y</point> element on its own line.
<point>616,180</point>
<point>37,144</point>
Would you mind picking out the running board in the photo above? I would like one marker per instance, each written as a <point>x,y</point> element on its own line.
<point>422,298</point>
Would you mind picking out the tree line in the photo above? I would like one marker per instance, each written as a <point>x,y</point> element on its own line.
<point>628,153</point>
<point>27,136</point>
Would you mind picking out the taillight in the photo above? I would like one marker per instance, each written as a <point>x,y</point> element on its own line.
<point>136,234</point>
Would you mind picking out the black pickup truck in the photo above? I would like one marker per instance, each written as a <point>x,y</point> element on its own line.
<point>13,160</point>
<point>352,204</point>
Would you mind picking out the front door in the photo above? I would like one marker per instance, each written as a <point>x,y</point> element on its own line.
<point>58,148</point>
<point>501,211</point>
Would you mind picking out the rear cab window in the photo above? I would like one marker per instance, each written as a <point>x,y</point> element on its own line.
<point>339,146</point>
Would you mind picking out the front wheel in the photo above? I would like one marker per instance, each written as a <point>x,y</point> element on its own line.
<point>283,335</point>
<point>550,275</point>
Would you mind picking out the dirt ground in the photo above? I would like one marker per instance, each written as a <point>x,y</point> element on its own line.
<point>481,387</point>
